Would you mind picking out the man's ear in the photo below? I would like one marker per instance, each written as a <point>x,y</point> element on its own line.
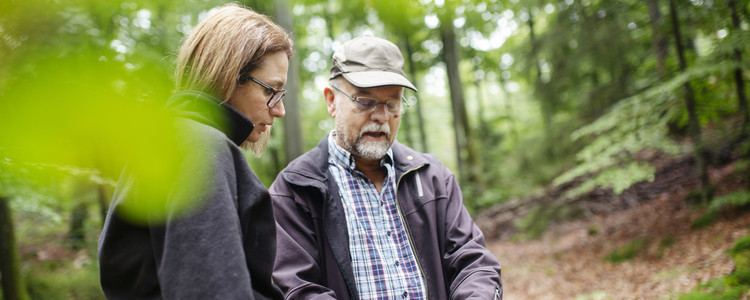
<point>330,103</point>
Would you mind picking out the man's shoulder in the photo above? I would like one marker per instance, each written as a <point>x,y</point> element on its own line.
<point>404,152</point>
<point>309,168</point>
<point>311,158</point>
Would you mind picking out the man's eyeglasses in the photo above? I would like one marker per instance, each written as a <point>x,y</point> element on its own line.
<point>276,95</point>
<point>366,104</point>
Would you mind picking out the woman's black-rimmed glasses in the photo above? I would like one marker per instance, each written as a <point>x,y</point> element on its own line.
<point>276,95</point>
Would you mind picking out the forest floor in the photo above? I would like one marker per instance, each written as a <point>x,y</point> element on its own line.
<point>568,262</point>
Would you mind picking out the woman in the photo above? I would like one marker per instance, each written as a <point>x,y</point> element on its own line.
<point>215,235</point>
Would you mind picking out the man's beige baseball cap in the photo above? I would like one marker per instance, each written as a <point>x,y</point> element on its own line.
<point>370,61</point>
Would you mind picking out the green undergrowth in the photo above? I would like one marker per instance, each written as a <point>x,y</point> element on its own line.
<point>735,201</point>
<point>535,223</point>
<point>64,282</point>
<point>732,286</point>
<point>627,252</point>
<point>51,268</point>
<point>636,248</point>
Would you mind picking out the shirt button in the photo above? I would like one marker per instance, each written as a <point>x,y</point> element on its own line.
<point>388,233</point>
<point>405,294</point>
<point>410,157</point>
<point>396,263</point>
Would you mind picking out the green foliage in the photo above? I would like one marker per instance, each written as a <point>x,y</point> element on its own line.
<point>667,242</point>
<point>535,223</point>
<point>64,283</point>
<point>102,102</point>
<point>742,245</point>
<point>594,230</point>
<point>51,269</point>
<point>627,252</point>
<point>740,253</point>
<point>634,124</point>
<point>705,220</point>
<point>731,201</point>
<point>732,286</point>
<point>725,293</point>
<point>616,178</point>
<point>547,69</point>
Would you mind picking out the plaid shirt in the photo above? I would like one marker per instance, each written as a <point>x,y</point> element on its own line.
<point>382,258</point>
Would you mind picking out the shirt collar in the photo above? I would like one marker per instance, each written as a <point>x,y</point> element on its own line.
<point>345,159</point>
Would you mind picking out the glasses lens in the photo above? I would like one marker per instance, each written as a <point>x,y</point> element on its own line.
<point>366,104</point>
<point>393,106</point>
<point>409,101</point>
<point>275,99</point>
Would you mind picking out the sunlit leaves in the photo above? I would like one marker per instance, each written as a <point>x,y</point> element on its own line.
<point>71,101</point>
<point>633,124</point>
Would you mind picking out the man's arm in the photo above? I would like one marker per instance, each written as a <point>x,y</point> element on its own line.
<point>297,269</point>
<point>473,270</point>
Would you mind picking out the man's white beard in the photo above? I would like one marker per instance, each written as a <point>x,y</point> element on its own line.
<point>371,149</point>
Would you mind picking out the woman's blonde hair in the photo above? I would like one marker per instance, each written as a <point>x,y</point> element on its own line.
<point>229,42</point>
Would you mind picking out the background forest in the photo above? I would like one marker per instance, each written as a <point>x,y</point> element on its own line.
<point>517,97</point>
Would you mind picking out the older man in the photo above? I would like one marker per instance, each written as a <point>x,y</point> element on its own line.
<point>362,216</point>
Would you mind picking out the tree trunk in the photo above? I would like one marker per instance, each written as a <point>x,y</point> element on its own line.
<point>485,142</point>
<point>510,115</point>
<point>546,107</point>
<point>10,271</point>
<point>405,129</point>
<point>417,106</point>
<point>459,133</point>
<point>329,27</point>
<point>483,127</point>
<point>294,145</point>
<point>77,233</point>
<point>738,81</point>
<point>693,125</point>
<point>460,120</point>
<point>658,40</point>
<point>79,213</point>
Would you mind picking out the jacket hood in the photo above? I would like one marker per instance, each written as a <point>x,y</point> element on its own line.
<point>205,108</point>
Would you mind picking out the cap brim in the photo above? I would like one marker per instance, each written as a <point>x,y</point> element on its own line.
<point>370,79</point>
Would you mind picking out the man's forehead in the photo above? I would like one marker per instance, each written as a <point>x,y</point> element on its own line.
<point>392,90</point>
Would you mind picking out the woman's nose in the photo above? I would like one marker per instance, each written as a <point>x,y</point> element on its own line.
<point>278,111</point>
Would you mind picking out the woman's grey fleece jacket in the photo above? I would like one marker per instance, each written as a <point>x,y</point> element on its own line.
<point>224,247</point>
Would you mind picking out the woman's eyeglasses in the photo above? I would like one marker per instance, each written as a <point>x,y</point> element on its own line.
<point>276,95</point>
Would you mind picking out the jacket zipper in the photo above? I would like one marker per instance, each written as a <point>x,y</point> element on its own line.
<point>497,293</point>
<point>418,181</point>
<point>406,227</point>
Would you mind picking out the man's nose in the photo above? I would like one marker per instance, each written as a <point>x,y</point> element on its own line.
<point>380,113</point>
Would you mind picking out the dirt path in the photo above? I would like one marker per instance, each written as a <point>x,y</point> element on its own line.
<point>568,263</point>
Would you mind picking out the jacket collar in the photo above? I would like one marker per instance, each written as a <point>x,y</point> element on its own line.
<point>207,109</point>
<point>311,169</point>
<point>344,158</point>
